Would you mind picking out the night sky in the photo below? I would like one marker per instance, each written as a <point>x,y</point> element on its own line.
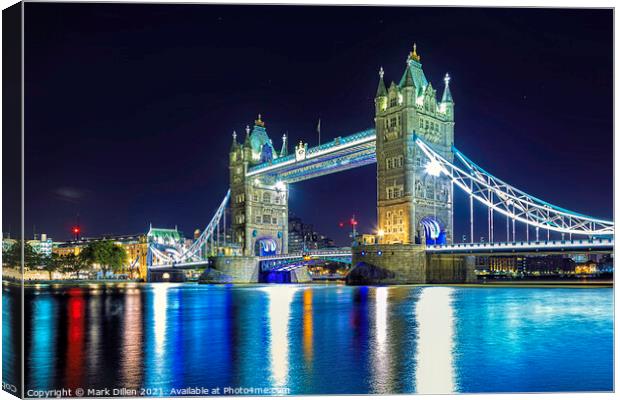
<point>130,108</point>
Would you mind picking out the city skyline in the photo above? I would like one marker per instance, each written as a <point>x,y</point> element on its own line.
<point>160,90</point>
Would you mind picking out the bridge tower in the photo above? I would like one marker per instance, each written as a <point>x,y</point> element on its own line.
<point>259,206</point>
<point>414,200</point>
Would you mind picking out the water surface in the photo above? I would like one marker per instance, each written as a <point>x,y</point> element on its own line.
<point>315,339</point>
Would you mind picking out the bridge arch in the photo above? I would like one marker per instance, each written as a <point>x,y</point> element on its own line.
<point>265,246</point>
<point>431,230</point>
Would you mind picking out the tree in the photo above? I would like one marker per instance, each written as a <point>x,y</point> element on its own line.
<point>11,254</point>
<point>51,263</point>
<point>106,254</point>
<point>73,264</point>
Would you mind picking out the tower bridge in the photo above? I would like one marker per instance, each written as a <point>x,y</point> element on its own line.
<point>418,167</point>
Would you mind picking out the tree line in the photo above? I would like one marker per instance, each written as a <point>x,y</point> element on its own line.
<point>105,255</point>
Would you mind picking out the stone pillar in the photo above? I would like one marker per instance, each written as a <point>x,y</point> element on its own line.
<point>388,264</point>
<point>470,269</point>
<point>301,275</point>
<point>231,269</point>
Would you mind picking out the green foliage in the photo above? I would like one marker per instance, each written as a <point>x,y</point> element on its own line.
<point>72,264</point>
<point>51,263</point>
<point>106,254</point>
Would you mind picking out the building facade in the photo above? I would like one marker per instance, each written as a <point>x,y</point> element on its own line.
<point>43,245</point>
<point>259,206</point>
<point>135,246</point>
<point>414,199</point>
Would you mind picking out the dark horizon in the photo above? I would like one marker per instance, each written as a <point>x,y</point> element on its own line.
<point>129,108</point>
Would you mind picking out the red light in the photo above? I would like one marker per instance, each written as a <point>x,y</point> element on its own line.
<point>76,230</point>
<point>341,224</point>
<point>353,222</point>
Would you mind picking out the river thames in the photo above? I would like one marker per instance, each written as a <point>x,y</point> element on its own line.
<point>161,339</point>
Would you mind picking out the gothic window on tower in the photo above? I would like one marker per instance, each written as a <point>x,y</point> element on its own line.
<point>255,197</point>
<point>389,163</point>
<point>257,219</point>
<point>266,219</point>
<point>393,102</point>
<point>266,197</point>
<point>395,192</point>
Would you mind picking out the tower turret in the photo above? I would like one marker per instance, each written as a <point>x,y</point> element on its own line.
<point>447,104</point>
<point>247,145</point>
<point>408,87</point>
<point>381,96</point>
<point>284,150</point>
<point>234,144</point>
<point>381,89</point>
<point>414,66</point>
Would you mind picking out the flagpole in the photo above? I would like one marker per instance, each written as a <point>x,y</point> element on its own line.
<point>318,128</point>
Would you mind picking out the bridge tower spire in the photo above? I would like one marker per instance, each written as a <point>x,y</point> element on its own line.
<point>414,205</point>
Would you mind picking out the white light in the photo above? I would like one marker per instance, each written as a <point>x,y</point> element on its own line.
<point>280,299</point>
<point>381,355</point>
<point>433,168</point>
<point>434,360</point>
<point>280,186</point>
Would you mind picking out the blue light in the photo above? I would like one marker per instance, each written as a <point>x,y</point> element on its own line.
<point>379,253</point>
<point>363,253</point>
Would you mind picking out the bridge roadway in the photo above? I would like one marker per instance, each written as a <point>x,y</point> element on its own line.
<point>285,262</point>
<point>551,246</point>
<point>340,154</point>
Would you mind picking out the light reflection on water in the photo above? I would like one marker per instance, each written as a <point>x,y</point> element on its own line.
<point>280,299</point>
<point>318,339</point>
<point>435,363</point>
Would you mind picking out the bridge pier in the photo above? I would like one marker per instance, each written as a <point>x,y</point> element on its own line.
<point>395,264</point>
<point>231,269</point>
<point>296,275</point>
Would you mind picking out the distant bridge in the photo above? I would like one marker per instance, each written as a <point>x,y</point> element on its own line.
<point>287,262</point>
